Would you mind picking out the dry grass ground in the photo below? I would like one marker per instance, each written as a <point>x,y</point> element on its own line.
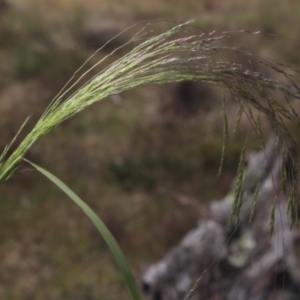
<point>122,157</point>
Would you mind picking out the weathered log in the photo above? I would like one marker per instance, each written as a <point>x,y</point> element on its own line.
<point>237,260</point>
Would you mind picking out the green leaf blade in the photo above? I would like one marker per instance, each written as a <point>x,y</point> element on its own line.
<point>103,230</point>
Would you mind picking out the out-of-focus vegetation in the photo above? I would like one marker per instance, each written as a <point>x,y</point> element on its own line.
<point>131,157</point>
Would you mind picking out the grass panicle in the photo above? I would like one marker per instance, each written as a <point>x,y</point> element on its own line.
<point>169,57</point>
<point>239,116</point>
<point>239,191</point>
<point>272,216</point>
<point>255,196</point>
<point>225,134</point>
<point>292,204</point>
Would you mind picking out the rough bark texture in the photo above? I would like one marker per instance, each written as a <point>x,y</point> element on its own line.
<point>240,261</point>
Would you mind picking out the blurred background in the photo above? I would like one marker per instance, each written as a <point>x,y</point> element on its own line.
<point>133,158</point>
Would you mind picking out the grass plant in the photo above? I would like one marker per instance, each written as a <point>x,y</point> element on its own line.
<point>179,54</point>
